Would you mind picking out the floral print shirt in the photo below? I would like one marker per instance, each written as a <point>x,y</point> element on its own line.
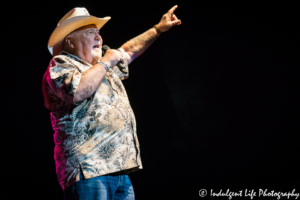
<point>98,134</point>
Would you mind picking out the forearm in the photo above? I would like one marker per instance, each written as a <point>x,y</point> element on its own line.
<point>89,82</point>
<point>138,45</point>
<point>92,78</point>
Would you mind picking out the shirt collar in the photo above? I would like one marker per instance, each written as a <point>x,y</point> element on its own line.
<point>75,58</point>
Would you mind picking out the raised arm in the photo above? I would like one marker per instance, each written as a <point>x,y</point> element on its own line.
<point>91,79</point>
<point>138,45</point>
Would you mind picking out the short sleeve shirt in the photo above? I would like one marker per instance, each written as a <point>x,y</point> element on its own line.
<point>98,134</point>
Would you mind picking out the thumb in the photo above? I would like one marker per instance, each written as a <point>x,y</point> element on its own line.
<point>176,22</point>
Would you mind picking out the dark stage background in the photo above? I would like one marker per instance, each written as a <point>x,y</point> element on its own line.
<point>216,99</point>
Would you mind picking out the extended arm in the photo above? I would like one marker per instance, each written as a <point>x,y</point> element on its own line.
<point>91,79</point>
<point>138,45</point>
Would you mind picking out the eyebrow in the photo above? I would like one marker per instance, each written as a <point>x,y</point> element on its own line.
<point>98,30</point>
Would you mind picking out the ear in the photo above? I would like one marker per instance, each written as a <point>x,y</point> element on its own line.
<point>69,41</point>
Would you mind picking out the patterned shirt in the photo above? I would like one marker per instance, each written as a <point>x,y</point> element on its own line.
<point>98,134</point>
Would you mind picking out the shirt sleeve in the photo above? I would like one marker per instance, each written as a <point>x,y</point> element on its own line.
<point>60,83</point>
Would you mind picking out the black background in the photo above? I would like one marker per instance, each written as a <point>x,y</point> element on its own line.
<point>216,99</point>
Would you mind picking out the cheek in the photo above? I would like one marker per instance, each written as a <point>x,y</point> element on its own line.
<point>88,45</point>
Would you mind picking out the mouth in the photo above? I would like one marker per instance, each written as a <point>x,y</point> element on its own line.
<point>97,46</point>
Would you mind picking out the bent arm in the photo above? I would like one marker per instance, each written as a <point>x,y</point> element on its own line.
<point>89,82</point>
<point>92,78</point>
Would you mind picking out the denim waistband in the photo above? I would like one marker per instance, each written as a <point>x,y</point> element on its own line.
<point>123,172</point>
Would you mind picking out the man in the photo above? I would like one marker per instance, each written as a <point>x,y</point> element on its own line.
<point>96,145</point>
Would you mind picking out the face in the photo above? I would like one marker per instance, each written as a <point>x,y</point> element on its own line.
<point>86,43</point>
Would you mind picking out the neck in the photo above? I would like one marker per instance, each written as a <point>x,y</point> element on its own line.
<point>84,57</point>
<point>80,55</point>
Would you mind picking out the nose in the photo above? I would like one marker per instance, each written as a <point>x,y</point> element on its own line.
<point>98,37</point>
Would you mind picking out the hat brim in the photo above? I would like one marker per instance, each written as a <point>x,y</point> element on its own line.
<point>60,32</point>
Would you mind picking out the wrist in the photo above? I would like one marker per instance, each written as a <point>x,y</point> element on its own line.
<point>105,65</point>
<point>107,61</point>
<point>156,27</point>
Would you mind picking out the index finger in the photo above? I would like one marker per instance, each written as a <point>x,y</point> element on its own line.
<point>171,11</point>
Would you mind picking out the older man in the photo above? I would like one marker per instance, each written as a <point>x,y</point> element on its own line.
<point>96,145</point>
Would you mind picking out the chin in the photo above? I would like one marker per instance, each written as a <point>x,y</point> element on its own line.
<point>97,54</point>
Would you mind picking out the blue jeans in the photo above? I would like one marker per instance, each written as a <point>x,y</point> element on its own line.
<point>115,186</point>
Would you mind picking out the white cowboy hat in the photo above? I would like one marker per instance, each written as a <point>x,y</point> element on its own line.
<point>73,20</point>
